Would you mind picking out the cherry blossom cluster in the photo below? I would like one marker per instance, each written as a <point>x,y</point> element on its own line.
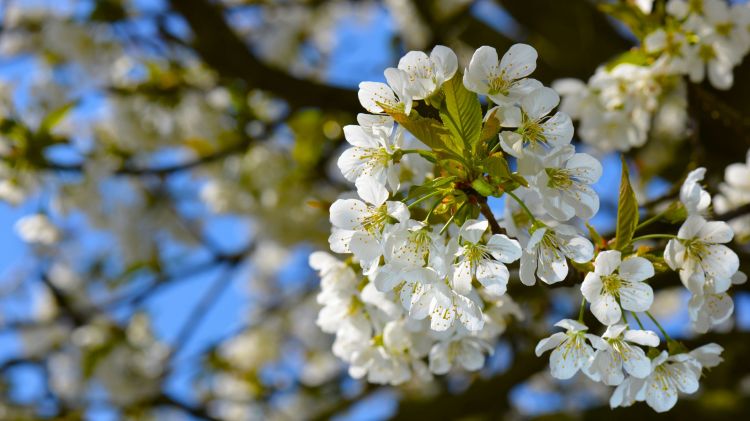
<point>643,92</point>
<point>707,269</point>
<point>416,289</point>
<point>426,286</point>
<point>735,192</point>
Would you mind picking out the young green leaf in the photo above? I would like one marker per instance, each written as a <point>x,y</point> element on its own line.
<point>627,210</point>
<point>429,131</point>
<point>461,113</point>
<point>496,166</point>
<point>429,187</point>
<point>491,128</point>
<point>55,117</point>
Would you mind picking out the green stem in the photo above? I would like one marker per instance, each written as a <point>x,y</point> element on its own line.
<point>650,221</point>
<point>447,224</point>
<point>523,205</point>
<point>432,209</point>
<point>653,236</point>
<point>423,198</point>
<point>656,322</point>
<point>423,153</point>
<point>637,320</point>
<point>583,307</point>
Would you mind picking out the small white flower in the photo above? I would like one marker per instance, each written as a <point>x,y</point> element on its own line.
<point>735,192</point>
<point>483,261</point>
<point>565,183</point>
<point>692,194</point>
<point>712,307</point>
<point>468,351</point>
<point>536,131</point>
<point>394,95</point>
<point>698,252</point>
<point>617,285</point>
<point>670,374</point>
<point>544,255</point>
<point>617,352</point>
<point>38,229</point>
<point>571,351</point>
<point>359,224</point>
<point>372,151</point>
<point>504,81</point>
<point>708,356</point>
<point>427,74</point>
<point>410,244</point>
<point>336,277</point>
<point>645,5</point>
<point>424,292</point>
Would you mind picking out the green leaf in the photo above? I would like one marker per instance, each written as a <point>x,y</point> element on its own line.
<point>491,127</point>
<point>640,23</point>
<point>496,166</point>
<point>483,187</point>
<point>598,240</point>
<point>429,131</point>
<point>461,113</point>
<point>627,210</point>
<point>415,192</point>
<point>636,57</point>
<point>518,178</point>
<point>55,117</point>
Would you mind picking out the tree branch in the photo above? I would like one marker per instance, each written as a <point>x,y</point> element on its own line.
<point>222,49</point>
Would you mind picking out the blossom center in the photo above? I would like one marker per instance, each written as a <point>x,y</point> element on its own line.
<point>706,52</point>
<point>475,253</point>
<point>499,85</point>
<point>532,131</point>
<point>611,284</point>
<point>559,178</point>
<point>551,242</point>
<point>375,221</point>
<point>696,248</point>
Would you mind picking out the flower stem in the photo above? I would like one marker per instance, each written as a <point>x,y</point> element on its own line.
<point>656,322</point>
<point>432,209</point>
<point>637,320</point>
<point>523,205</point>
<point>583,307</point>
<point>653,236</point>
<point>447,224</point>
<point>650,221</point>
<point>423,198</point>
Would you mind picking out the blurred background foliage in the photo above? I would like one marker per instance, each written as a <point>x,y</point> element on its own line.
<point>184,151</point>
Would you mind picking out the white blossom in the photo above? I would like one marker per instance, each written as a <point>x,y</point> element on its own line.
<point>571,351</point>
<point>504,81</point>
<point>359,224</point>
<point>692,195</point>
<point>483,261</point>
<point>699,252</point>
<point>545,254</point>
<point>619,351</point>
<point>427,74</point>
<point>616,285</point>
<point>38,229</point>
<point>536,131</point>
<point>564,183</point>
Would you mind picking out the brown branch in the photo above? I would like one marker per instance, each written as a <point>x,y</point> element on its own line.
<point>196,411</point>
<point>734,213</point>
<point>162,170</point>
<point>223,50</point>
<point>487,212</point>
